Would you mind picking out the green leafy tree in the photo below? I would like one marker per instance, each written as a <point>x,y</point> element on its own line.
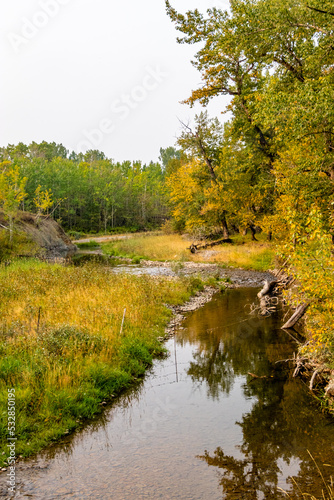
<point>12,193</point>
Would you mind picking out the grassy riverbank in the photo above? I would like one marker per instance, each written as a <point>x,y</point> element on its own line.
<point>61,347</point>
<point>258,255</point>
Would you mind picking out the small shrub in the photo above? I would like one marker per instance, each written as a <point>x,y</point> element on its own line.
<point>168,227</point>
<point>69,340</point>
<point>177,267</point>
<point>196,284</point>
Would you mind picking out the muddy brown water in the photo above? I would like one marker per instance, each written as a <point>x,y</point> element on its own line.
<point>198,426</point>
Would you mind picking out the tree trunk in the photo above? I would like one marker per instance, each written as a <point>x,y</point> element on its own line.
<point>226,233</point>
<point>11,229</point>
<point>105,223</point>
<point>252,228</point>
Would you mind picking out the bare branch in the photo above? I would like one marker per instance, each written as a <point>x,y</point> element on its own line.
<point>319,10</point>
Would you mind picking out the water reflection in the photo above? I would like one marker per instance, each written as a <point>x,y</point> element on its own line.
<point>234,345</point>
<point>283,423</point>
<point>171,436</point>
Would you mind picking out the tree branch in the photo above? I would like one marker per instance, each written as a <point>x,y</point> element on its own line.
<point>290,68</point>
<point>321,11</point>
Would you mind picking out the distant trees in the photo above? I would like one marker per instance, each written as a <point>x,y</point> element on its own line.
<point>89,192</point>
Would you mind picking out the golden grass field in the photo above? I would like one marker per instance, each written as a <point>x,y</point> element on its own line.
<point>258,255</point>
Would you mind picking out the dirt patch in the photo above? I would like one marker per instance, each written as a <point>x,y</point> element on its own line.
<point>48,234</point>
<point>104,239</point>
<point>207,254</point>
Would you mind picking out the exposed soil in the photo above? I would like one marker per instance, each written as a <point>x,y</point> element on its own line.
<point>104,239</point>
<point>46,233</point>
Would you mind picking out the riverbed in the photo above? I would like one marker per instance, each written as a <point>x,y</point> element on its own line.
<point>200,425</point>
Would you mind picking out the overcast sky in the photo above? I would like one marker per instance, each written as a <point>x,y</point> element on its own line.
<point>97,74</point>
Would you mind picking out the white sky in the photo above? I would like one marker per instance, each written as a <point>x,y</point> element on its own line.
<point>97,74</point>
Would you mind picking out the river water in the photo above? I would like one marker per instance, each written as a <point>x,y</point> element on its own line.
<point>199,426</point>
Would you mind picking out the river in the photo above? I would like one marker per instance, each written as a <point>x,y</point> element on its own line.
<point>199,426</point>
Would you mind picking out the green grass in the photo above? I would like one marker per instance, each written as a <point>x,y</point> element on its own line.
<point>88,244</point>
<point>21,246</point>
<point>61,347</point>
<point>263,261</point>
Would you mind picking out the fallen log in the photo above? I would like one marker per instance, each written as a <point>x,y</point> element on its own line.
<point>267,306</point>
<point>194,248</point>
<point>297,315</point>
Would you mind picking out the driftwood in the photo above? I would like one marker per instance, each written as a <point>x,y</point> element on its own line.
<point>329,389</point>
<point>315,373</point>
<point>267,289</point>
<point>300,365</point>
<point>194,248</point>
<point>294,337</point>
<point>297,315</point>
<point>267,304</point>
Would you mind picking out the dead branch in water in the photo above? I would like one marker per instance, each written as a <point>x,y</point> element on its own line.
<point>299,366</point>
<point>297,315</point>
<point>267,288</point>
<point>300,342</point>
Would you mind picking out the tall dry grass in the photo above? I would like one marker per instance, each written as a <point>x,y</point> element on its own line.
<point>60,342</point>
<point>242,253</point>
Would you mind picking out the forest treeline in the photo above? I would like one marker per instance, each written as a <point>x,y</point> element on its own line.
<point>83,192</point>
<point>270,166</point>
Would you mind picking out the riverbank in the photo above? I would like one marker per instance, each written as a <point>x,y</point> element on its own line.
<point>315,286</point>
<point>64,352</point>
<point>198,412</point>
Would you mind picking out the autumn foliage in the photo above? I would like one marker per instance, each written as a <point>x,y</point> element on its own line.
<point>273,163</point>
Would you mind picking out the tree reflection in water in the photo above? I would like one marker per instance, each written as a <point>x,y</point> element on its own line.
<point>283,423</point>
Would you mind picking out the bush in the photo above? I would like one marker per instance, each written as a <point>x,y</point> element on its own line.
<point>68,340</point>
